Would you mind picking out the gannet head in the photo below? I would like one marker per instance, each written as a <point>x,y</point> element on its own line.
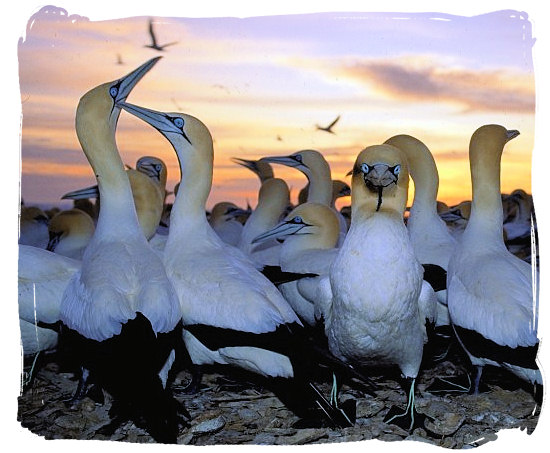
<point>260,167</point>
<point>153,167</point>
<point>380,179</point>
<point>225,211</point>
<point>71,223</point>
<point>101,101</point>
<point>308,219</point>
<point>308,161</point>
<point>185,132</point>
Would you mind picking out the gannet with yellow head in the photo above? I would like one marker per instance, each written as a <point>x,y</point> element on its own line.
<point>232,314</point>
<point>378,302</point>
<point>120,306</point>
<point>491,293</point>
<point>317,171</point>
<point>70,233</point>
<point>273,200</point>
<point>310,234</point>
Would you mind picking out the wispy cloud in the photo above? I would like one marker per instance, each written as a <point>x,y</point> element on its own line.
<point>418,80</point>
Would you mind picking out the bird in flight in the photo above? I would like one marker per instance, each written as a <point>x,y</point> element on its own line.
<point>119,59</point>
<point>329,127</point>
<point>154,44</point>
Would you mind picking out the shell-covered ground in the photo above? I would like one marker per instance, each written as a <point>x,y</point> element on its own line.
<point>231,409</point>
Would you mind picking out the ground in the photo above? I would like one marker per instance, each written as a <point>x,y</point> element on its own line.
<point>236,410</point>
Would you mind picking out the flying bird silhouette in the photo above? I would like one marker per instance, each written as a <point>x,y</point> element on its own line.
<point>154,44</point>
<point>119,59</point>
<point>329,127</point>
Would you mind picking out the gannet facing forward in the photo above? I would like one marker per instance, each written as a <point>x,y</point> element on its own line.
<point>120,306</point>
<point>490,291</point>
<point>377,312</point>
<point>232,314</point>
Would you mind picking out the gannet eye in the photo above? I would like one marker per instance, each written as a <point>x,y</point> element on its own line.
<point>158,167</point>
<point>178,122</point>
<point>298,157</point>
<point>113,91</point>
<point>396,169</point>
<point>365,168</point>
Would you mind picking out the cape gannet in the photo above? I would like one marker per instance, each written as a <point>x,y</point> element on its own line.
<point>379,305</point>
<point>431,240</point>
<point>223,221</point>
<point>310,233</point>
<point>232,314</point>
<point>120,307</point>
<point>273,200</point>
<point>260,168</point>
<point>491,297</point>
<point>148,196</point>
<point>70,233</point>
<point>317,171</point>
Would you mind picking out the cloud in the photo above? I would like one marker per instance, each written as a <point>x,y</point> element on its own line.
<point>418,80</point>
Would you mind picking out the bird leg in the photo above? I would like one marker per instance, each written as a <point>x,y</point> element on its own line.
<point>410,419</point>
<point>80,389</point>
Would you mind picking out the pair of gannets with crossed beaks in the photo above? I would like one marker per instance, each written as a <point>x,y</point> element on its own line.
<point>377,309</point>
<point>492,297</point>
<point>232,314</point>
<point>120,308</point>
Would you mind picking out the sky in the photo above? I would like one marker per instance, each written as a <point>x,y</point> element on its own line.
<point>262,83</point>
<point>437,76</point>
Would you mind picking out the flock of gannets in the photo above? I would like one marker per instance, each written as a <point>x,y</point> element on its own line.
<point>135,303</point>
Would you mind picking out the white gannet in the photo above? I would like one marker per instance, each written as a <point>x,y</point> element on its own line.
<point>310,233</point>
<point>379,305</point>
<point>431,240</point>
<point>317,171</point>
<point>33,227</point>
<point>232,314</point>
<point>223,221</point>
<point>490,291</point>
<point>70,232</point>
<point>42,279</point>
<point>273,200</point>
<point>120,306</point>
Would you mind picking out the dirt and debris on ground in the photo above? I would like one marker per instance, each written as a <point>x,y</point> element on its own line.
<point>230,411</point>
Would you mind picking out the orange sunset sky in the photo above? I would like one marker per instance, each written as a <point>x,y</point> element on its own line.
<point>262,83</point>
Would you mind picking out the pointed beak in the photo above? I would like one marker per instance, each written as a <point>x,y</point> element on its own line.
<point>281,231</point>
<point>289,161</point>
<point>128,82</point>
<point>250,164</point>
<point>88,192</point>
<point>159,120</point>
<point>511,134</point>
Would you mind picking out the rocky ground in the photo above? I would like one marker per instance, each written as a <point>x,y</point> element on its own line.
<point>238,411</point>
